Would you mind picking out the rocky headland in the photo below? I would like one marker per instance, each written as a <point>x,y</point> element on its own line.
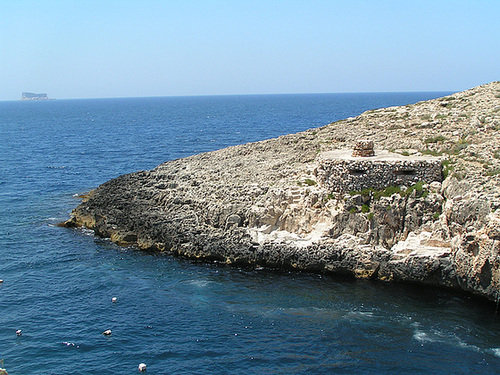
<point>267,203</point>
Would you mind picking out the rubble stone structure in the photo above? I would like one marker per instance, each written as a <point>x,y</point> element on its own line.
<point>342,172</point>
<point>363,148</point>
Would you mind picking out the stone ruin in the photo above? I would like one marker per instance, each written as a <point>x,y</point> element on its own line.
<point>363,149</point>
<point>342,171</point>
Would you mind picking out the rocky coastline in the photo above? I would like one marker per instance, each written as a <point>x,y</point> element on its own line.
<point>263,203</point>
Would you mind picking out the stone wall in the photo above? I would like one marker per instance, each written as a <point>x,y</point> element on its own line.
<point>343,175</point>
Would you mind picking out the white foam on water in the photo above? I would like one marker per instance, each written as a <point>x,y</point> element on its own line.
<point>87,232</point>
<point>359,315</point>
<point>494,351</point>
<point>427,336</point>
<point>199,283</point>
<point>436,336</point>
<point>422,336</point>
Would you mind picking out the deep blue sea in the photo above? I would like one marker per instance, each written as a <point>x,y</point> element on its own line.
<point>185,317</point>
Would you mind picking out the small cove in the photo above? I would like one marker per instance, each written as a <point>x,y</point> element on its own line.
<point>180,316</point>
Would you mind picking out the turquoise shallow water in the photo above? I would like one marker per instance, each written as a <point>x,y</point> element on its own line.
<point>179,316</point>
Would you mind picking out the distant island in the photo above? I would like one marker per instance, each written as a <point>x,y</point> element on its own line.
<point>33,96</point>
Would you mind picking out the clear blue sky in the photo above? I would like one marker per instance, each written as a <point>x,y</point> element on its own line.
<point>116,48</point>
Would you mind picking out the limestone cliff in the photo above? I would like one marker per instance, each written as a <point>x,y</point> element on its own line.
<point>262,203</point>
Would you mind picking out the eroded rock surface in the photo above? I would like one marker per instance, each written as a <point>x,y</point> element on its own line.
<point>260,203</point>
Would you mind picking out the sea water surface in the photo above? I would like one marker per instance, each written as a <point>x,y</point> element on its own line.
<point>185,317</point>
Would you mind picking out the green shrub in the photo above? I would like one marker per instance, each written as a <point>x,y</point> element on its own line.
<point>431,152</point>
<point>353,210</point>
<point>436,139</point>
<point>365,208</point>
<point>420,192</point>
<point>387,192</point>
<point>418,187</point>
<point>459,146</point>
<point>309,182</point>
<point>366,192</point>
<point>492,172</point>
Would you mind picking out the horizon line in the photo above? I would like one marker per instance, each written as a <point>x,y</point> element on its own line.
<point>220,95</point>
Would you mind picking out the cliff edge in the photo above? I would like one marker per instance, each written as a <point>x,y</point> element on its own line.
<point>275,203</point>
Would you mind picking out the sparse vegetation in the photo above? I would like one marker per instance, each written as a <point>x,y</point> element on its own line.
<point>394,127</point>
<point>431,152</point>
<point>436,139</point>
<point>447,168</point>
<point>390,190</point>
<point>459,146</point>
<point>387,192</point>
<point>492,171</point>
<point>418,187</point>
<point>309,182</point>
<point>328,197</point>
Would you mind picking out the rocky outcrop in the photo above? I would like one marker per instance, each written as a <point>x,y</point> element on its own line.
<point>261,203</point>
